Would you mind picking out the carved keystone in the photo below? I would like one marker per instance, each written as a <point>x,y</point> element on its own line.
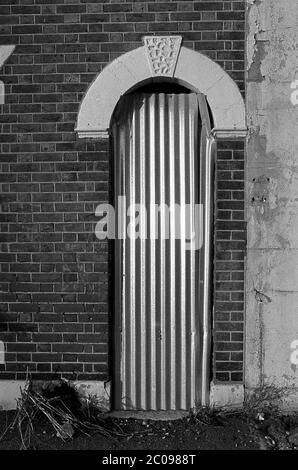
<point>162,53</point>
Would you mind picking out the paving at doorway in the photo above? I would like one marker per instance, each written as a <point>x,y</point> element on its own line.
<point>150,415</point>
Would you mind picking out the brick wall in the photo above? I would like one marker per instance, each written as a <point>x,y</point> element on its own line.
<point>230,246</point>
<point>54,274</point>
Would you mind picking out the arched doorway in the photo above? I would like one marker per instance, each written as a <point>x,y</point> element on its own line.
<point>162,162</point>
<point>208,83</point>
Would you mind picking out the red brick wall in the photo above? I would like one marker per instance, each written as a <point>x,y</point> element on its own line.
<point>54,315</point>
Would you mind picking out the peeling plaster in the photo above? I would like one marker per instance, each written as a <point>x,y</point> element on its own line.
<point>253,30</point>
<point>261,297</point>
<point>255,73</point>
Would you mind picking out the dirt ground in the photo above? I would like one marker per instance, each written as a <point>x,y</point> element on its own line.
<point>202,432</point>
<point>55,417</point>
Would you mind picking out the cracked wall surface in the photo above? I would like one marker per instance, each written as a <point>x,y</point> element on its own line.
<point>272,195</point>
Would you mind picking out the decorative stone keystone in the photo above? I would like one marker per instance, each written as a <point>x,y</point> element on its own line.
<point>162,54</point>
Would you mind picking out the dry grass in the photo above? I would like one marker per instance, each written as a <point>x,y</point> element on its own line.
<point>64,412</point>
<point>265,399</point>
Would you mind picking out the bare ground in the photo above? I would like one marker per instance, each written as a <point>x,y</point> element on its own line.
<point>205,431</point>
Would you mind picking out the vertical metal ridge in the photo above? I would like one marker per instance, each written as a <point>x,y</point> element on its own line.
<point>197,314</point>
<point>119,262</point>
<point>162,334</point>
<point>152,228</point>
<point>123,143</point>
<point>131,269</point>
<point>183,254</point>
<point>142,242</point>
<point>192,362</point>
<point>172,254</point>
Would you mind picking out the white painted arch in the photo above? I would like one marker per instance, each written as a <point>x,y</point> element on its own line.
<point>193,70</point>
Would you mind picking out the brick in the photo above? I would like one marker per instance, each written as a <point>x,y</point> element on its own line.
<point>162,6</point>
<point>118,27</point>
<point>234,366</point>
<point>24,347</point>
<point>117,7</point>
<point>76,8</point>
<point>208,26</point>
<point>25,9</point>
<point>230,16</point>
<point>202,6</point>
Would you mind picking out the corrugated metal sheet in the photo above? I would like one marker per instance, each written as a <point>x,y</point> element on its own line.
<point>160,287</point>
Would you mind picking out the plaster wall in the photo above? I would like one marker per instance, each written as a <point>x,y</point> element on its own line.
<point>272,197</point>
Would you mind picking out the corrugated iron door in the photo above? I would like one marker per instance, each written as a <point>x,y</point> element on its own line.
<point>159,284</point>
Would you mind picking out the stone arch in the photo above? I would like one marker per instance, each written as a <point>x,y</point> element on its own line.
<point>5,53</point>
<point>135,68</point>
